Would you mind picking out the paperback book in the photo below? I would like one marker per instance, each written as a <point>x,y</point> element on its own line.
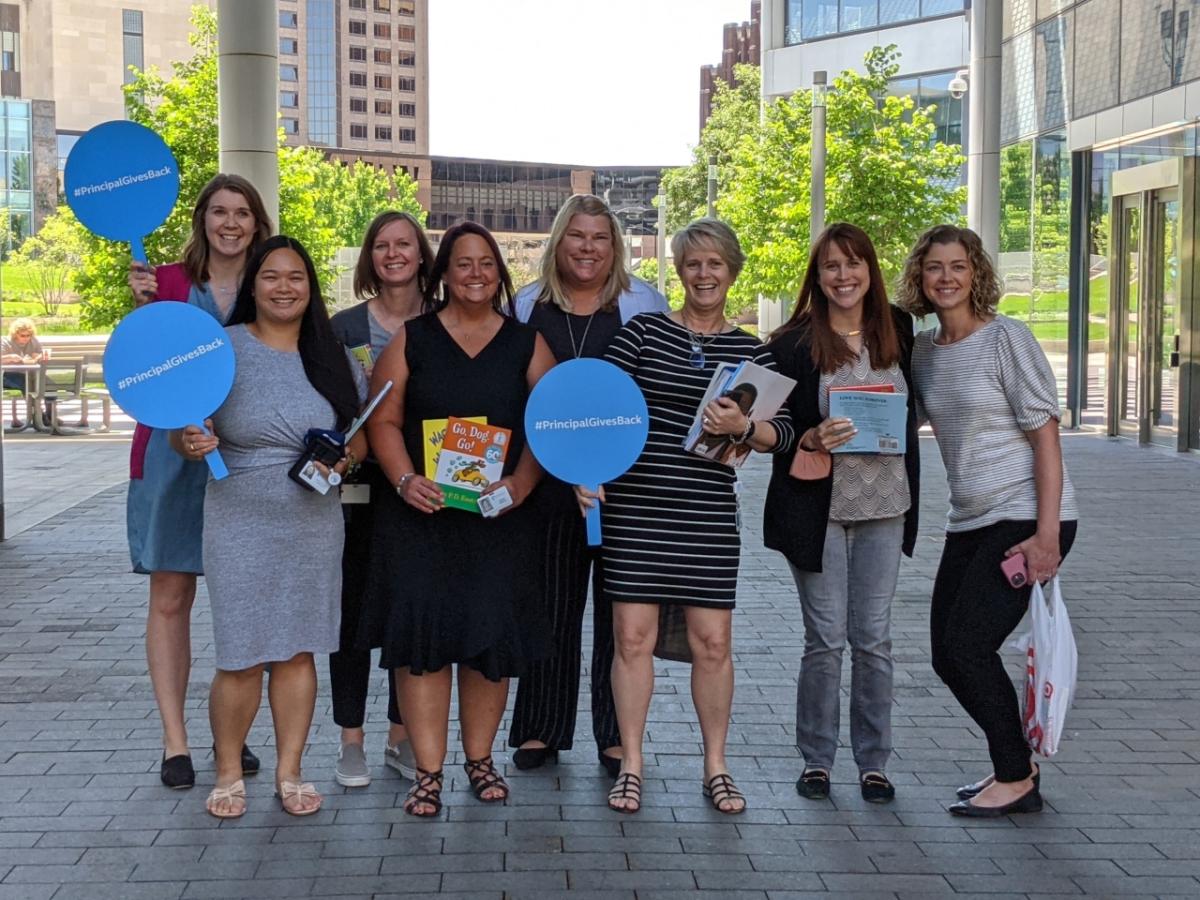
<point>758,391</point>
<point>471,458</point>
<point>879,414</point>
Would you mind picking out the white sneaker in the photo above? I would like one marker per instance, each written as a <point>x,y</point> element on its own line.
<point>352,768</point>
<point>400,757</point>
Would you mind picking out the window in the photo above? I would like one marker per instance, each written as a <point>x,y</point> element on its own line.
<point>383,132</point>
<point>289,46</point>
<point>358,4</point>
<point>358,79</point>
<point>406,8</point>
<point>406,58</point>
<point>131,38</point>
<point>289,73</point>
<point>383,30</point>
<point>287,20</point>
<point>383,56</point>
<point>357,27</point>
<point>383,5</point>
<point>383,107</point>
<point>291,126</point>
<point>408,135</point>
<point>358,131</point>
<point>358,104</point>
<point>383,82</point>
<point>408,110</point>
<point>406,33</point>
<point>358,54</point>
<point>406,84</point>
<point>289,99</point>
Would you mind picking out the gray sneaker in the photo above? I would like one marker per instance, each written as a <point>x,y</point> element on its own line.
<point>400,757</point>
<point>352,768</point>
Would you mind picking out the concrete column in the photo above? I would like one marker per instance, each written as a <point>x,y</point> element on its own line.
<point>248,94</point>
<point>983,125</point>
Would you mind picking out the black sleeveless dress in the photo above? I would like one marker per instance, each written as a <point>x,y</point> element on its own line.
<point>454,587</point>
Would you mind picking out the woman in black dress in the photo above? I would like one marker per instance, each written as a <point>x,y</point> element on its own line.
<point>447,585</point>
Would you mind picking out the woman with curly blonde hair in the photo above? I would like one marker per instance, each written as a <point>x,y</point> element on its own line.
<point>985,385</point>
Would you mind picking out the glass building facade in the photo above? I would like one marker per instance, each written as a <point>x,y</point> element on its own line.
<point>805,20</point>
<point>16,167</point>
<point>321,59</point>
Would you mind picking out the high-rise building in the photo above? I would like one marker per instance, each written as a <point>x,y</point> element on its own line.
<point>741,42</point>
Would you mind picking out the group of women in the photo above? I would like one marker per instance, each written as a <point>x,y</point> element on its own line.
<point>293,574</point>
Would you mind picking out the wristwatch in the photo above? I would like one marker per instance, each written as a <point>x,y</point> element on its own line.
<point>403,481</point>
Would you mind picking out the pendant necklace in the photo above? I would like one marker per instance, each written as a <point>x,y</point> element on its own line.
<point>578,351</point>
<point>848,334</point>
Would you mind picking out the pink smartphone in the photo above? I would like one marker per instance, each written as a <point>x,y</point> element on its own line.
<point>1015,570</point>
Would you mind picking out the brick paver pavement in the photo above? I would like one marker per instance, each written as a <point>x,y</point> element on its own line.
<point>82,813</point>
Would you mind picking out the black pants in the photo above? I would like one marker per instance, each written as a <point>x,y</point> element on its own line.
<point>548,696</point>
<point>974,611</point>
<point>350,668</point>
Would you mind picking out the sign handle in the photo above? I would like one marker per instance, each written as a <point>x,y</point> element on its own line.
<point>216,465</point>
<point>138,250</point>
<point>593,520</point>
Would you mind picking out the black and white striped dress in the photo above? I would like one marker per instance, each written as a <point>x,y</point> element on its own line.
<point>670,523</point>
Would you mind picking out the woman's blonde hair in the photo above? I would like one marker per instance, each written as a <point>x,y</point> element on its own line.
<point>713,232</point>
<point>552,289</point>
<point>985,284</point>
<point>21,324</point>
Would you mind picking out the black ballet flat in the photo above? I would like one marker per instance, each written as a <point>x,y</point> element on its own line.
<point>526,758</point>
<point>1029,802</point>
<point>611,764</point>
<point>967,791</point>
<point>177,773</point>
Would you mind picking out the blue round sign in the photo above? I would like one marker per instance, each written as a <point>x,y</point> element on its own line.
<point>121,181</point>
<point>586,421</point>
<point>169,365</point>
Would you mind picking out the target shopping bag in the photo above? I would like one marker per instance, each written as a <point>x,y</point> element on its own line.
<point>1051,661</point>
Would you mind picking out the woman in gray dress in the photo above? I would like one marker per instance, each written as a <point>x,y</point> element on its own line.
<point>272,547</point>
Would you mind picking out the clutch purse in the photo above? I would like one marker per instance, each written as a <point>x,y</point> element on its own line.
<point>811,465</point>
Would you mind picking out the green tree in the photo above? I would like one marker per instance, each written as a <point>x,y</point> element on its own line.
<point>322,203</point>
<point>647,270</point>
<point>50,259</point>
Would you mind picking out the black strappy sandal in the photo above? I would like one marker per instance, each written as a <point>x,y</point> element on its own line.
<point>721,789</point>
<point>483,776</point>
<point>427,790</point>
<point>628,786</point>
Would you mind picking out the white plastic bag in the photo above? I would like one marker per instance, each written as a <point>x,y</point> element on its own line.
<point>1051,661</point>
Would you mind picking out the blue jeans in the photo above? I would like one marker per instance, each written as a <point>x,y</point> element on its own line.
<point>850,599</point>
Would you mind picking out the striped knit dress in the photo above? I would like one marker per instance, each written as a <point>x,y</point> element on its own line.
<point>671,522</point>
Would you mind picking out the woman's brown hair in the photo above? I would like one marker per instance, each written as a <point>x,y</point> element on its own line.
<point>366,279</point>
<point>810,320</point>
<point>196,250</point>
<point>985,284</point>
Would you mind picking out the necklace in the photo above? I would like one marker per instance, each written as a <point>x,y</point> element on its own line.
<point>578,351</point>
<point>848,334</point>
<point>698,341</point>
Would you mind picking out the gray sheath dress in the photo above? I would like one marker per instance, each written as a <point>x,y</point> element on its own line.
<point>272,549</point>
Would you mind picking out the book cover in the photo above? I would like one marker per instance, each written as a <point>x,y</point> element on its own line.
<point>471,458</point>
<point>881,418</point>
<point>433,432</point>
<point>759,392</point>
<point>364,355</point>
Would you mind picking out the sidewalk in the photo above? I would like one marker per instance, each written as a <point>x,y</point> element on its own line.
<point>82,814</point>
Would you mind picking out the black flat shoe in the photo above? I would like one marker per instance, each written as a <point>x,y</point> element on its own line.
<point>1029,802</point>
<point>177,772</point>
<point>967,791</point>
<point>250,762</point>
<point>611,764</point>
<point>876,788</point>
<point>525,758</point>
<point>813,784</point>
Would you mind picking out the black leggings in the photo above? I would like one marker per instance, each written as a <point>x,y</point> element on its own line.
<point>974,611</point>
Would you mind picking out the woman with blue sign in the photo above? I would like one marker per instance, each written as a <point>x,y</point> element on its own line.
<point>272,544</point>
<point>448,586</point>
<point>584,296</point>
<point>390,278</point>
<point>842,519</point>
<point>165,506</point>
<point>671,522</point>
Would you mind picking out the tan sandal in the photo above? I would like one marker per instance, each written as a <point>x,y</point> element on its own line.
<point>235,793</point>
<point>293,794</point>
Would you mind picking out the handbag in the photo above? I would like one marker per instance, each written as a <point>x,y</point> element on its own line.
<point>811,465</point>
<point>1051,665</point>
<point>672,642</point>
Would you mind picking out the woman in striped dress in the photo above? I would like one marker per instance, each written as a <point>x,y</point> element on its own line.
<point>671,522</point>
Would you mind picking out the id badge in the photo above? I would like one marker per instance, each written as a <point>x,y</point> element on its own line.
<point>356,493</point>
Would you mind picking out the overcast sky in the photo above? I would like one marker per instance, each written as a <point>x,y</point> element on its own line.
<point>613,82</point>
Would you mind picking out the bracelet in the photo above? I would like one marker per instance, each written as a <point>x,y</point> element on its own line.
<point>403,481</point>
<point>745,436</point>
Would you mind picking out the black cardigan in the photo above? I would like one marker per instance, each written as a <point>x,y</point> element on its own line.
<point>796,513</point>
<point>352,326</point>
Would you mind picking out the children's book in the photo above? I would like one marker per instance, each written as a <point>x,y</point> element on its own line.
<point>433,432</point>
<point>757,390</point>
<point>471,458</point>
<point>879,414</point>
<point>364,355</point>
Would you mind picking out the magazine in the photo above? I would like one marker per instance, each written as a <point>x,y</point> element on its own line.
<point>759,392</point>
<point>471,458</point>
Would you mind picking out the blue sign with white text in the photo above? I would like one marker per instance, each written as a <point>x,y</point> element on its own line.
<point>169,365</point>
<point>586,423</point>
<point>121,181</point>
